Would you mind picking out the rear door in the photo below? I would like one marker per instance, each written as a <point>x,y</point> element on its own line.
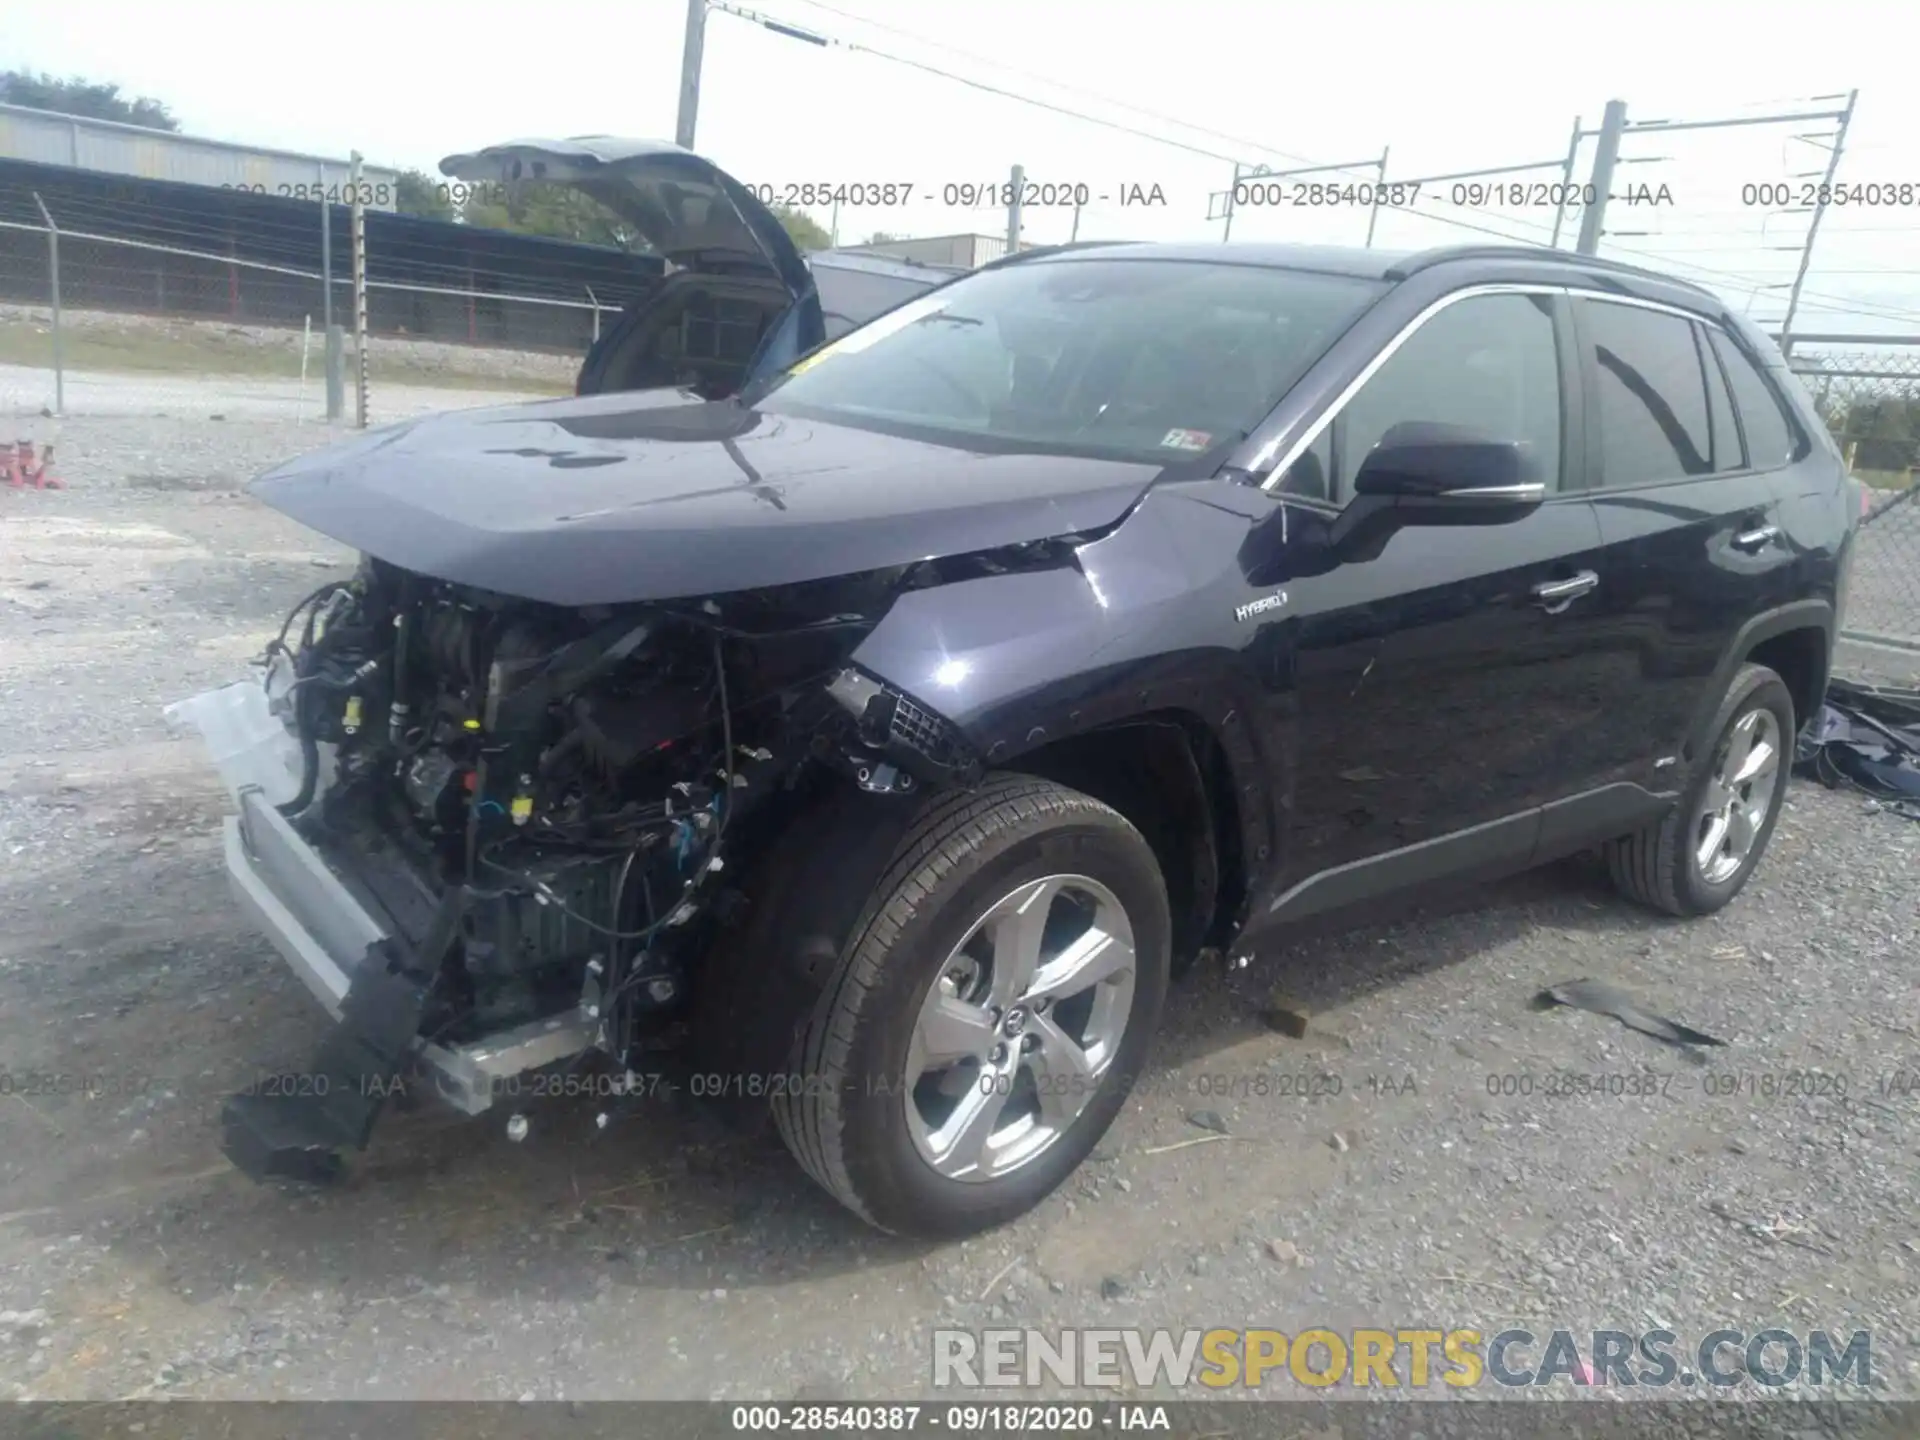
<point>1688,489</point>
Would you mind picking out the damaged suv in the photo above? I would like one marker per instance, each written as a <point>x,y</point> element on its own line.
<point>878,728</point>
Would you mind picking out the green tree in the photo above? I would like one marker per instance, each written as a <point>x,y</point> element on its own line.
<point>97,100</point>
<point>1885,429</point>
<point>566,212</point>
<point>805,231</point>
<point>882,237</point>
<point>418,193</point>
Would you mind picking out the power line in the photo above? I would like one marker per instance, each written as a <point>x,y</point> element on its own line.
<point>1002,92</point>
<point>854,47</point>
<point>1746,280</point>
<point>1058,85</point>
<point>1845,304</point>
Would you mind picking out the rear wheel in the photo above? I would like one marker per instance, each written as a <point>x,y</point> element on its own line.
<point>990,1014</point>
<point>1698,858</point>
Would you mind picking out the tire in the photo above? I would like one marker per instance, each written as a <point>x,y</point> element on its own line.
<point>1660,865</point>
<point>846,1115</point>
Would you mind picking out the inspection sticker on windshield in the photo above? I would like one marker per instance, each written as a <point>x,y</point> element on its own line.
<point>874,331</point>
<point>1186,440</point>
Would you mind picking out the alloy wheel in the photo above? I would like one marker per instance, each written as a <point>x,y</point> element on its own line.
<point>1738,796</point>
<point>1019,1027</point>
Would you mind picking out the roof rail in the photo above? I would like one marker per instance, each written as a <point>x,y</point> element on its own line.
<point>1444,254</point>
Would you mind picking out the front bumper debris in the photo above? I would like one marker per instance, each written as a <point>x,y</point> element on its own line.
<point>368,978</point>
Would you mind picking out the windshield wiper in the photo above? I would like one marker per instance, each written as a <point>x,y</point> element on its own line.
<point>950,318</point>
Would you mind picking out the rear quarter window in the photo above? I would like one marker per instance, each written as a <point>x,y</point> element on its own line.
<point>1771,441</point>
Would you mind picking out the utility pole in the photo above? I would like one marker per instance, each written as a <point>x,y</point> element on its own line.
<point>1610,134</point>
<point>1566,181</point>
<point>359,213</point>
<point>1593,218</point>
<point>1014,191</point>
<point>1813,225</point>
<point>1076,220</point>
<point>690,74</point>
<point>53,284</point>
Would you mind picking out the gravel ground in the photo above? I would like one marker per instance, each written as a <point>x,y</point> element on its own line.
<point>665,1258</point>
<point>195,406</point>
<point>249,346</point>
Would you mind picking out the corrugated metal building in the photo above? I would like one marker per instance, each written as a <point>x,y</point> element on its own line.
<point>108,147</point>
<point>164,248</point>
<point>966,251</point>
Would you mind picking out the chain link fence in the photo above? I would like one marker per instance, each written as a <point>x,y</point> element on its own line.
<point>124,276</point>
<point>1870,399</point>
<point>155,276</point>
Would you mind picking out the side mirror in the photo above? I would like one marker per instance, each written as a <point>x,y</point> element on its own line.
<point>1451,467</point>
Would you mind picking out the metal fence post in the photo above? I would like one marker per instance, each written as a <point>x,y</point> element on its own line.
<point>359,213</point>
<point>53,284</point>
<point>330,337</point>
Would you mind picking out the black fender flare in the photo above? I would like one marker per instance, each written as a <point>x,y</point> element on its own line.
<point>1798,615</point>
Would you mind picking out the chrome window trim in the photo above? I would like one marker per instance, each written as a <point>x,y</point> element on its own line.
<point>1635,302</point>
<point>1319,427</point>
<point>1502,492</point>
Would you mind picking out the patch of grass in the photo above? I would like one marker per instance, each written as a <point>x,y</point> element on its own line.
<point>144,352</point>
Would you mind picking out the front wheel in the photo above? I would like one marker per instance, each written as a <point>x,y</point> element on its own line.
<point>985,1024</point>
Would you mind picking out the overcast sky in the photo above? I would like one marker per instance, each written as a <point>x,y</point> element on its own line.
<point>1447,87</point>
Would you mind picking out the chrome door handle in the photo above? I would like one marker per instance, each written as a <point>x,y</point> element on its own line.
<point>1755,539</point>
<point>1556,595</point>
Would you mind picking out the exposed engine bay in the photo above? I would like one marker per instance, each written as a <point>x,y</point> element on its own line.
<point>545,802</point>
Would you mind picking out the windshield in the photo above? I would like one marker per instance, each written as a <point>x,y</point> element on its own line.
<point>1146,359</point>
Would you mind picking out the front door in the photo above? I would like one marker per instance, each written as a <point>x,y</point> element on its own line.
<point>1433,691</point>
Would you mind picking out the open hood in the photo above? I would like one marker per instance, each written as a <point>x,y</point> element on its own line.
<point>685,207</point>
<point>628,497</point>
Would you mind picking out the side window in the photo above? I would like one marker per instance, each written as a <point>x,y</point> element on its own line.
<point>1487,363</point>
<point>1311,476</point>
<point>1728,453</point>
<point>1653,395</point>
<point>1770,438</point>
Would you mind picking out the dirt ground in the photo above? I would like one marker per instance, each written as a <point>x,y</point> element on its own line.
<point>1401,1164</point>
